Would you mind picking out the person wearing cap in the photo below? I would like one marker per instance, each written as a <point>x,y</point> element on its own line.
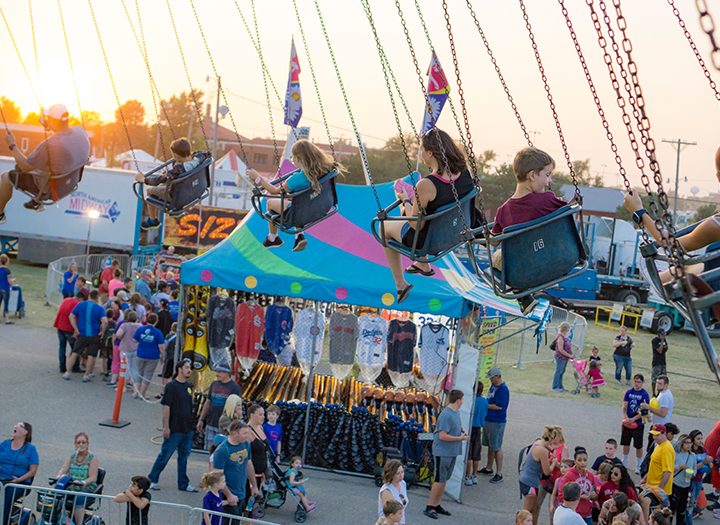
<point>498,400</point>
<point>662,465</point>
<point>215,403</point>
<point>63,151</point>
<point>65,330</point>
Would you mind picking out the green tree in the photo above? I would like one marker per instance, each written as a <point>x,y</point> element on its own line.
<point>179,111</point>
<point>10,111</point>
<point>703,212</point>
<point>582,173</point>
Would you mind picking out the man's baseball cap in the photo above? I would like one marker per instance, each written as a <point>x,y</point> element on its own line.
<point>56,111</point>
<point>658,428</point>
<point>495,371</point>
<point>123,295</point>
<point>222,367</point>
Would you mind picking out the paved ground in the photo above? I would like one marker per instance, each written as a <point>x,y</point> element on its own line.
<point>32,390</point>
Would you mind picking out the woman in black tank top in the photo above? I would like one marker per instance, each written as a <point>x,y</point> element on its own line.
<point>258,441</point>
<point>432,193</point>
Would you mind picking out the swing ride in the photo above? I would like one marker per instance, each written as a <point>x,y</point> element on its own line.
<point>534,255</point>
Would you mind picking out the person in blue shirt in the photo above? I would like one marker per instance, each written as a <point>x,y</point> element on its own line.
<point>89,323</point>
<point>498,400</point>
<point>233,457</point>
<point>475,453</point>
<point>174,304</point>
<point>19,462</point>
<point>274,431</point>
<point>142,286</point>
<point>6,282</point>
<point>150,352</point>
<point>69,280</point>
<point>314,164</point>
<point>633,425</point>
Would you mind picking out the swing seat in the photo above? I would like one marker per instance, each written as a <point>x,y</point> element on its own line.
<point>58,187</point>
<point>445,229</point>
<point>535,255</point>
<point>305,207</point>
<point>182,193</point>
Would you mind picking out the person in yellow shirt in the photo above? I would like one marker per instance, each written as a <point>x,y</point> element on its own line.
<point>660,472</point>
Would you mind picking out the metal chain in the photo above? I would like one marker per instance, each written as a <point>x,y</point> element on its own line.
<point>694,48</point>
<point>187,75</point>
<point>72,70</point>
<point>265,82</point>
<point>222,91</point>
<point>708,25</point>
<point>550,100</point>
<point>385,66</point>
<point>152,90</point>
<point>402,99</point>
<point>499,74</point>
<point>363,154</point>
<point>17,51</point>
<point>112,82</point>
<point>315,82</point>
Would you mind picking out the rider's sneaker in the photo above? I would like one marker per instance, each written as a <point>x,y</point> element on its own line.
<point>275,243</point>
<point>3,218</point>
<point>34,205</point>
<point>300,243</point>
<point>150,224</point>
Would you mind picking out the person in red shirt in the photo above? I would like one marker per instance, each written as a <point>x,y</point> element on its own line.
<point>582,476</point>
<point>105,277</point>
<point>65,329</point>
<point>712,444</point>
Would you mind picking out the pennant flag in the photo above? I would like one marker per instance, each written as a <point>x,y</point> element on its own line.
<point>437,90</point>
<point>293,101</point>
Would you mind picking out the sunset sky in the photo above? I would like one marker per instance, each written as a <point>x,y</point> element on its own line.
<point>679,100</point>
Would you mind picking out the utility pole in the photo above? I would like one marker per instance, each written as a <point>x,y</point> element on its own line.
<point>678,145</point>
<point>534,134</point>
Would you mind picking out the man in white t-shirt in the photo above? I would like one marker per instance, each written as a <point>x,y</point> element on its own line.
<point>565,514</point>
<point>666,403</point>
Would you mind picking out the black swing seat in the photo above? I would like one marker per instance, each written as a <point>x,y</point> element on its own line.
<point>305,208</point>
<point>181,193</point>
<point>58,187</point>
<point>445,229</point>
<point>536,255</point>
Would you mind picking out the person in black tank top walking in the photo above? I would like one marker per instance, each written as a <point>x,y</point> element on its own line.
<point>432,193</point>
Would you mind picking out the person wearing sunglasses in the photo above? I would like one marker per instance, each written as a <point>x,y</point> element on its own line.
<point>82,466</point>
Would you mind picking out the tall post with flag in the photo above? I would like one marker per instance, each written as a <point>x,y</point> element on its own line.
<point>437,93</point>
<point>293,100</point>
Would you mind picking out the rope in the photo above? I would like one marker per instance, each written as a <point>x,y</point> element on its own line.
<point>222,92</point>
<point>112,81</point>
<point>72,69</point>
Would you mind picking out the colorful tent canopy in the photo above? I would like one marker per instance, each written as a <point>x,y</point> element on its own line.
<point>342,263</point>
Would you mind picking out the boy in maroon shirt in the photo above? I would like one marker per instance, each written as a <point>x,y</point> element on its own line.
<point>533,171</point>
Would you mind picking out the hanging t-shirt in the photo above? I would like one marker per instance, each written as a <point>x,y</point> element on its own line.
<point>221,321</point>
<point>305,330</point>
<point>343,337</point>
<point>249,326</point>
<point>278,325</point>
<point>372,340</point>
<point>401,346</point>
<point>434,345</point>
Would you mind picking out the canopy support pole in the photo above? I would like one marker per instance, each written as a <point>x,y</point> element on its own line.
<point>316,331</point>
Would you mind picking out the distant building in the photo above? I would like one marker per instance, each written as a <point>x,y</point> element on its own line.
<point>598,202</point>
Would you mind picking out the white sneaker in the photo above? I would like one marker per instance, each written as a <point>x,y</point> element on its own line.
<point>86,379</point>
<point>154,486</point>
<point>474,479</point>
<point>467,481</point>
<point>637,469</point>
<point>66,376</point>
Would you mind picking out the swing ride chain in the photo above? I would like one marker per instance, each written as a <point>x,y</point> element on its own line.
<point>550,99</point>
<point>427,105</point>
<point>315,82</point>
<point>695,50</point>
<point>708,25</point>
<point>500,75</point>
<point>596,98</point>
<point>152,79</point>
<point>72,70</point>
<point>112,82</point>
<point>147,65</point>
<point>402,99</point>
<point>267,92</point>
<point>664,220</point>
<point>17,51</point>
<point>363,154</point>
<point>258,50</point>
<point>187,75</point>
<point>385,67</point>
<point>219,85</point>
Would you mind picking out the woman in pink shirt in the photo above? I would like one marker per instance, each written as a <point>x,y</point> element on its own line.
<point>115,282</point>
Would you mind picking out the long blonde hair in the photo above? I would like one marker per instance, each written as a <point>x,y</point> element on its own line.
<point>314,162</point>
<point>230,405</point>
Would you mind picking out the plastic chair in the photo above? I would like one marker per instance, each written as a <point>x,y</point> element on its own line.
<point>58,187</point>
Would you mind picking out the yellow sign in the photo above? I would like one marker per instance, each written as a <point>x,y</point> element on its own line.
<point>489,329</point>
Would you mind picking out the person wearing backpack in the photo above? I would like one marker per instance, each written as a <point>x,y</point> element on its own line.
<point>538,465</point>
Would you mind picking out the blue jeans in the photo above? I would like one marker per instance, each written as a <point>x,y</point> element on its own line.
<point>620,363</point>
<point>182,442</point>
<point>11,496</point>
<point>560,365</point>
<point>5,299</point>
<point>65,338</point>
<point>67,293</point>
<point>695,488</point>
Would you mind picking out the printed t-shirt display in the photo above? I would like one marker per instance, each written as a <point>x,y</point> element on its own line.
<point>278,326</point>
<point>401,346</point>
<point>434,345</point>
<point>343,333</point>
<point>249,327</point>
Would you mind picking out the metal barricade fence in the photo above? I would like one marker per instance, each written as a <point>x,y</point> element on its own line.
<point>522,348</point>
<point>46,506</point>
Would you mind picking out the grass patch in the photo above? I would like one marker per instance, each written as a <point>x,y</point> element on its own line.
<point>691,382</point>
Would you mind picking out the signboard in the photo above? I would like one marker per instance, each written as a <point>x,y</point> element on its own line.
<point>647,319</point>
<point>210,225</point>
<point>489,330</point>
<point>617,311</point>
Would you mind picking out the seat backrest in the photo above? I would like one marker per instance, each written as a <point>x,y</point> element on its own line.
<point>190,187</point>
<point>542,254</point>
<point>60,186</point>
<point>446,231</point>
<point>311,206</point>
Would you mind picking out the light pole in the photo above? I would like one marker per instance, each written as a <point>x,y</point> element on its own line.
<point>92,215</point>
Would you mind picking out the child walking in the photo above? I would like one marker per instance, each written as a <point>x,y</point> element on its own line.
<point>294,478</point>
<point>596,378</point>
<point>214,482</point>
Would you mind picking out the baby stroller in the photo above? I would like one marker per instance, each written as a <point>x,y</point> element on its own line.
<point>580,377</point>
<point>275,491</point>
